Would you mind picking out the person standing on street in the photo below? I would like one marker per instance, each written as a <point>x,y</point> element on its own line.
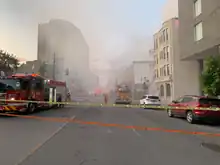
<point>105,98</point>
<point>68,97</point>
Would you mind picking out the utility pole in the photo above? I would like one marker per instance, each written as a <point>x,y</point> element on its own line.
<point>54,63</point>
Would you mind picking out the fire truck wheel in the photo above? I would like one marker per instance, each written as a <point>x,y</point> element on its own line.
<point>31,107</point>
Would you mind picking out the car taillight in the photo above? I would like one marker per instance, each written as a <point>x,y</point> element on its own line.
<point>200,109</point>
<point>200,112</point>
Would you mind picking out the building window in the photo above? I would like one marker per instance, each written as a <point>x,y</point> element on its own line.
<point>161,90</point>
<point>168,90</point>
<point>164,53</point>
<point>164,35</point>
<point>198,32</point>
<point>167,38</point>
<point>168,69</point>
<point>164,70</point>
<point>161,55</point>
<point>197,7</point>
<point>167,53</point>
<point>171,69</point>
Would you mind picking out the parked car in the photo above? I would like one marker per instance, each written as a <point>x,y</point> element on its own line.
<point>188,107</point>
<point>150,100</point>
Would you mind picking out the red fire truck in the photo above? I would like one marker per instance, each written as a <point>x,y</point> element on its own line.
<point>17,92</point>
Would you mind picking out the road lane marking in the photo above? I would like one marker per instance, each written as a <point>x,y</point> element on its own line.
<point>82,103</point>
<point>38,146</point>
<point>121,126</point>
<point>136,132</point>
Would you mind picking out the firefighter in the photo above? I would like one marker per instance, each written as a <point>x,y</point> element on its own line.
<point>59,100</point>
<point>68,96</point>
<point>105,98</point>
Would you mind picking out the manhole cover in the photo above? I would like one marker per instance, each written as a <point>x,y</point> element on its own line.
<point>211,146</point>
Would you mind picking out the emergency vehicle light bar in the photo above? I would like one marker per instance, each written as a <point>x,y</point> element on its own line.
<point>56,83</point>
<point>25,75</point>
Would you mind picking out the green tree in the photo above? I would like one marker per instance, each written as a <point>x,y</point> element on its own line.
<point>42,69</point>
<point>211,76</point>
<point>13,62</point>
<point>8,62</point>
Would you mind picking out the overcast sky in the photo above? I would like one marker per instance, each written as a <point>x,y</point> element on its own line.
<point>108,25</point>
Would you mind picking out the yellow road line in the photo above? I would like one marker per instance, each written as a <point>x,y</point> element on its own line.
<point>115,105</point>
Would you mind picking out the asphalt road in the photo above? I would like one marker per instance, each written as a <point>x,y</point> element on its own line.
<point>37,142</point>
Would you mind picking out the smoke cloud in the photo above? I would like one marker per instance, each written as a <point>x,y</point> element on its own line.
<point>107,25</point>
<point>170,10</point>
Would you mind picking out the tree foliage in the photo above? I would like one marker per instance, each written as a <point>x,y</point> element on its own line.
<point>8,62</point>
<point>211,76</point>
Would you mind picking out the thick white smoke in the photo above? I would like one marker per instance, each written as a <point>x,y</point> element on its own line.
<point>170,10</point>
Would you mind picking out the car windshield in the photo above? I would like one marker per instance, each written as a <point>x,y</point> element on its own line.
<point>209,101</point>
<point>153,97</point>
<point>9,84</point>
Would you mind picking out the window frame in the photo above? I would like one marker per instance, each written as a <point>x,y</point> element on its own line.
<point>167,35</point>
<point>167,55</point>
<point>168,69</point>
<point>168,94</point>
<point>164,53</point>
<point>197,8</point>
<point>162,94</point>
<point>164,70</point>
<point>198,31</point>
